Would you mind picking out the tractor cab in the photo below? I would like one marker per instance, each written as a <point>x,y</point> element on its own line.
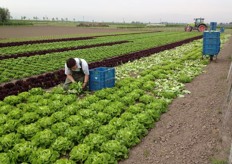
<point>198,21</point>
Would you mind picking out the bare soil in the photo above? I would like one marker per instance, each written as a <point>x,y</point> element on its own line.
<point>191,131</point>
<point>39,31</point>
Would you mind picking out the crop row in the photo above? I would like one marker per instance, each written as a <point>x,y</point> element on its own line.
<point>66,44</point>
<point>42,127</point>
<point>43,52</point>
<point>41,41</point>
<point>51,79</point>
<point>28,66</point>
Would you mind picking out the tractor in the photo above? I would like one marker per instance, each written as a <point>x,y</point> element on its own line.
<point>198,25</point>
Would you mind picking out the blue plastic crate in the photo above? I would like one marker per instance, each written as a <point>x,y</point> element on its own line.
<point>222,29</point>
<point>102,73</point>
<point>110,83</point>
<point>208,41</point>
<point>211,34</point>
<point>211,46</point>
<point>213,25</point>
<point>100,84</point>
<point>96,85</point>
<point>211,50</point>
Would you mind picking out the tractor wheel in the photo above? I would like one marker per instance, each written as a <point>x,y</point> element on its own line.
<point>188,28</point>
<point>202,28</point>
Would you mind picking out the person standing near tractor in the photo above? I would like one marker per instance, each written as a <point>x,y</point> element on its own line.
<point>76,70</point>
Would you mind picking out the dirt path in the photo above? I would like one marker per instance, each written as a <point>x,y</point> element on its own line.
<point>189,133</point>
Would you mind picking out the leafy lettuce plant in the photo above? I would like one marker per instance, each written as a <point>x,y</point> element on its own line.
<point>138,128</point>
<point>97,107</point>
<point>95,141</point>
<point>21,151</point>
<point>99,158</point>
<point>145,119</point>
<point>4,158</point>
<point>127,116</point>
<point>86,113</point>
<point>68,99</point>
<point>44,156</point>
<point>159,104</point>
<point>12,100</point>
<point>62,144</point>
<point>92,99</point>
<point>146,99</point>
<point>46,122</point>
<point>34,98</point>
<point>9,140</point>
<point>75,88</point>
<point>3,119</point>
<point>29,130</point>
<point>43,138</point>
<point>59,128</point>
<point>90,125</point>
<point>74,120</point>
<point>29,117</point>
<point>15,113</point>
<point>127,137</point>
<point>64,161</point>
<point>36,91</point>
<point>118,122</point>
<point>56,105</point>
<point>57,90</point>
<point>113,111</point>
<point>70,109</point>
<point>103,118</point>
<point>59,116</point>
<point>115,149</point>
<point>44,111</point>
<point>134,109</point>
<point>80,153</point>
<point>109,131</point>
<point>75,133</point>
<point>5,108</point>
<point>11,125</point>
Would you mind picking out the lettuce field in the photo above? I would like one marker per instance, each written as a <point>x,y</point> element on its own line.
<point>40,126</point>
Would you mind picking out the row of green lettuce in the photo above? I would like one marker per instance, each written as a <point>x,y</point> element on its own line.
<point>42,127</point>
<point>22,67</point>
<point>66,44</point>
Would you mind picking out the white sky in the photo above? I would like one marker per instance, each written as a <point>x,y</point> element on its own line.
<point>154,11</point>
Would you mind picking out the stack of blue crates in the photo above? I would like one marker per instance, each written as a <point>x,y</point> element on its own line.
<point>101,77</point>
<point>211,42</point>
<point>213,26</point>
<point>222,29</point>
